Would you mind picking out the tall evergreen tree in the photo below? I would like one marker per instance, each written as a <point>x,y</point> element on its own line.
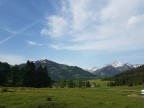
<point>29,75</point>
<point>87,84</point>
<point>43,79</point>
<point>4,73</point>
<point>47,82</point>
<point>15,76</point>
<point>39,77</point>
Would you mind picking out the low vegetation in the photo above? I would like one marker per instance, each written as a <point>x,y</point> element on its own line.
<point>101,97</point>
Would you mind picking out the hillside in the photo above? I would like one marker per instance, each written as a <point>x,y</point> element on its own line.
<point>132,77</point>
<point>60,71</point>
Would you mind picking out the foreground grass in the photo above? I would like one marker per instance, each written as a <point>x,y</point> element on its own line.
<point>114,97</point>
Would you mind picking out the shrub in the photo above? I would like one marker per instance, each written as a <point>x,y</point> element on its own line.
<point>2,106</point>
<point>49,98</point>
<point>4,90</point>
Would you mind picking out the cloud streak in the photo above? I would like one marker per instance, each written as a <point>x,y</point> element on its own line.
<point>97,25</point>
<point>16,33</point>
<point>32,43</point>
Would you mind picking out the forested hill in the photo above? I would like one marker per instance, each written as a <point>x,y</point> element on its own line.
<point>60,71</point>
<point>132,77</point>
<point>28,76</point>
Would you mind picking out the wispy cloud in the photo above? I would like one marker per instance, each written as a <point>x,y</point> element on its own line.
<point>135,21</point>
<point>16,33</point>
<point>32,43</point>
<point>97,25</point>
<point>58,27</point>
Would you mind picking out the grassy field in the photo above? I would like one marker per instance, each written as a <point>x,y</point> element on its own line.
<point>101,97</point>
<point>100,82</point>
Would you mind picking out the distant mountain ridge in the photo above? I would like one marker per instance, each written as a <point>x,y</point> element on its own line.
<point>112,69</point>
<point>91,70</point>
<point>61,71</point>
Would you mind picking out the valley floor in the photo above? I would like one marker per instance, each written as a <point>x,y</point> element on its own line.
<point>102,97</point>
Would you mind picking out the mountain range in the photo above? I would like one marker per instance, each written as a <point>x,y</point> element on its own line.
<point>61,71</point>
<point>112,69</point>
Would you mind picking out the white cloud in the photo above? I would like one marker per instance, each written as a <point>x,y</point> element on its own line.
<point>58,26</point>
<point>136,21</point>
<point>82,14</point>
<point>98,25</point>
<point>33,43</point>
<point>12,59</point>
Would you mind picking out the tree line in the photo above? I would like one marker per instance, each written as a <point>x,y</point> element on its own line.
<point>74,84</point>
<point>130,78</point>
<point>27,76</point>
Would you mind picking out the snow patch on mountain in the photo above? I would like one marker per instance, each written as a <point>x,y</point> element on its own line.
<point>112,69</point>
<point>116,64</point>
<point>93,69</point>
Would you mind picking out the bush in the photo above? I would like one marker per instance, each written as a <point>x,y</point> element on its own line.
<point>2,106</point>
<point>49,98</point>
<point>4,90</point>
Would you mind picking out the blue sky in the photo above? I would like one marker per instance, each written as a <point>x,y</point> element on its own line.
<point>84,33</point>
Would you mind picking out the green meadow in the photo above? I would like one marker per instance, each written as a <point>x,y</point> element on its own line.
<point>99,97</point>
<point>99,82</point>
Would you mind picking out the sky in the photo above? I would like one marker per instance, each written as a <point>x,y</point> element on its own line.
<point>84,33</point>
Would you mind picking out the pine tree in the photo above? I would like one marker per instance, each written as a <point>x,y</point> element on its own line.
<point>87,84</point>
<point>29,74</point>
<point>39,77</point>
<point>4,73</point>
<point>47,82</point>
<point>15,76</point>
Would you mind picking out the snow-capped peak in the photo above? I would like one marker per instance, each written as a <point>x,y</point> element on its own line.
<point>116,64</point>
<point>136,65</point>
<point>43,61</point>
<point>92,69</point>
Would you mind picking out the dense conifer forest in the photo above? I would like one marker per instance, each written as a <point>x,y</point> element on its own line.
<point>28,76</point>
<point>130,78</point>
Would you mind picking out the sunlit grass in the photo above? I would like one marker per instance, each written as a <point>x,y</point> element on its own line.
<point>100,82</point>
<point>102,97</point>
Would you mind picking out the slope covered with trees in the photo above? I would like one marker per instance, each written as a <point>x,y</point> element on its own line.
<point>39,73</point>
<point>61,71</point>
<point>130,78</point>
<point>28,76</point>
